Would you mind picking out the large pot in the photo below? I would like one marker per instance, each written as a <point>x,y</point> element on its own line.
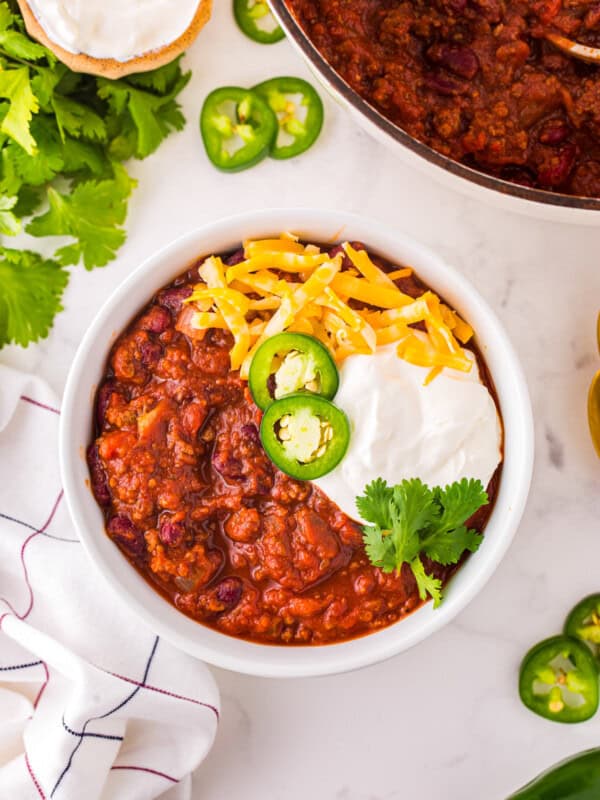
<point>478,185</point>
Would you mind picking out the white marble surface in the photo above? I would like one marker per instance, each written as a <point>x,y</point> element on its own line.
<point>443,720</point>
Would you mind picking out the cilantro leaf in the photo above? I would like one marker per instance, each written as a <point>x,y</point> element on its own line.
<point>32,288</point>
<point>426,584</point>
<point>14,43</point>
<point>411,520</point>
<point>459,501</point>
<point>145,117</point>
<point>93,214</point>
<point>44,165</point>
<point>44,82</point>
<point>7,18</point>
<point>15,86</point>
<point>447,546</point>
<point>78,120</point>
<point>29,199</point>
<point>404,534</point>
<point>9,224</point>
<point>373,505</point>
<point>84,159</point>
<point>415,504</point>
<point>379,548</point>
<point>160,80</point>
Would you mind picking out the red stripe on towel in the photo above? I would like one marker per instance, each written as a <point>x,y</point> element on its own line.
<point>151,771</point>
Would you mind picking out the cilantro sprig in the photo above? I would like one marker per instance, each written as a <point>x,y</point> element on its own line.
<point>412,520</point>
<point>63,139</point>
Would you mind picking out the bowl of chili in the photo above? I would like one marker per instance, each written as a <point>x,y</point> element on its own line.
<point>471,92</point>
<point>82,402</point>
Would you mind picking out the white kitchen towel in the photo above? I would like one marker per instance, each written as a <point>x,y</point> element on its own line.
<point>93,705</point>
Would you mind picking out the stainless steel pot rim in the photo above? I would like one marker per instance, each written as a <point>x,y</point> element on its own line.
<point>330,76</point>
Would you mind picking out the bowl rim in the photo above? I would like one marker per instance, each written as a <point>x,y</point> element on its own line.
<point>297,35</point>
<point>208,644</point>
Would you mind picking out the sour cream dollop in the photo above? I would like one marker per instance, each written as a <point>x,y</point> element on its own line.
<point>401,428</point>
<point>119,29</point>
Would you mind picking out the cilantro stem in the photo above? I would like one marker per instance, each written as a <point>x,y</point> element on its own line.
<point>19,60</point>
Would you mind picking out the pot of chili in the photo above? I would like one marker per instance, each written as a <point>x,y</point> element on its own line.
<point>477,95</point>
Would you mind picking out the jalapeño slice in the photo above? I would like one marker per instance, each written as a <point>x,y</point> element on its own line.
<point>289,363</point>
<point>559,680</point>
<point>254,18</point>
<point>238,128</point>
<point>583,623</point>
<point>299,111</point>
<point>305,435</point>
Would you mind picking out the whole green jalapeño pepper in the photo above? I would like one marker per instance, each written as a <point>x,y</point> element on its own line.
<point>583,623</point>
<point>576,778</point>
<point>299,111</point>
<point>289,363</point>
<point>305,435</point>
<point>559,680</point>
<point>255,20</point>
<point>238,128</point>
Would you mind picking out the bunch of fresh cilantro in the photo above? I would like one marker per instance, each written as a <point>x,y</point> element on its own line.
<point>63,138</point>
<point>410,520</point>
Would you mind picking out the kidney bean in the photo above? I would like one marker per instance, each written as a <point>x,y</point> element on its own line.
<point>554,132</point>
<point>228,467</point>
<point>174,297</point>
<point>250,432</point>
<point>171,533</point>
<point>555,170</point>
<point>157,320</point>
<point>460,60</point>
<point>446,85</point>
<point>123,531</point>
<point>364,583</point>
<point>103,401</point>
<point>218,337</point>
<point>229,592</point>
<point>235,258</point>
<point>339,250</point>
<point>98,478</point>
<point>150,353</point>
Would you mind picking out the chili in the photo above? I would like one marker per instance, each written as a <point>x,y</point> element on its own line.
<point>559,680</point>
<point>256,21</point>
<point>305,435</point>
<point>576,778</point>
<point>238,128</point>
<point>583,623</point>
<point>299,111</point>
<point>291,362</point>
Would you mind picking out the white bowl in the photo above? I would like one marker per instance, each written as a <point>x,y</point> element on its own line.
<point>237,654</point>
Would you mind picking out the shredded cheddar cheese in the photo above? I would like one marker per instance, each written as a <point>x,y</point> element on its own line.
<point>282,284</point>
